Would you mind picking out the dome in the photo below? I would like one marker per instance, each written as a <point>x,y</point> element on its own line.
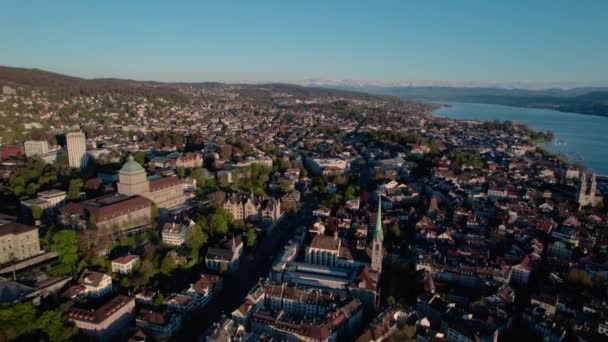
<point>131,166</point>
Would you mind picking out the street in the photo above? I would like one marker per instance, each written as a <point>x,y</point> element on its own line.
<point>252,267</point>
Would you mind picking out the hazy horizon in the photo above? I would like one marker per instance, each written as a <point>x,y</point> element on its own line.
<point>543,42</point>
<point>365,84</point>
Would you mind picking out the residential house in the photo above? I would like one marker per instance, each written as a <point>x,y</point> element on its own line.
<point>125,264</point>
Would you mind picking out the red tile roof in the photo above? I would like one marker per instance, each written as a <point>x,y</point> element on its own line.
<point>153,317</point>
<point>15,228</point>
<point>107,207</point>
<point>325,242</point>
<point>125,259</point>
<point>206,282</point>
<point>163,183</point>
<point>91,278</point>
<point>100,314</point>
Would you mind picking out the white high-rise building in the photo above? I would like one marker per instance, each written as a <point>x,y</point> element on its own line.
<point>77,148</point>
<point>35,147</point>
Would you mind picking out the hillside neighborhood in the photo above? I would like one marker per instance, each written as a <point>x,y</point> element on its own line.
<point>233,212</point>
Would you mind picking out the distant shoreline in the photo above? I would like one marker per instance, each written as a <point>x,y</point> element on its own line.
<point>557,109</point>
<point>570,154</point>
<point>450,103</point>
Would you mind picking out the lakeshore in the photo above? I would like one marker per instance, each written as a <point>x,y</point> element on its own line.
<point>578,137</point>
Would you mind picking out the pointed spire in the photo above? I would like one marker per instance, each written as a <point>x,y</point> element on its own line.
<point>378,234</point>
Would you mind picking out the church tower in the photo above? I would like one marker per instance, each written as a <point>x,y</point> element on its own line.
<point>582,190</point>
<point>377,239</point>
<point>587,192</point>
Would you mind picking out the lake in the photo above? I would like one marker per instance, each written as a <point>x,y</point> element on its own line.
<point>582,138</point>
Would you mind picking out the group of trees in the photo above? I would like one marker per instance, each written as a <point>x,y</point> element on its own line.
<point>202,177</point>
<point>33,176</point>
<point>235,149</point>
<point>65,244</point>
<point>74,189</point>
<point>345,190</point>
<point>579,278</point>
<point>165,139</point>
<point>405,139</point>
<point>196,239</point>
<point>19,320</point>
<point>251,237</point>
<point>218,222</point>
<point>253,178</point>
<point>462,158</point>
<point>511,127</point>
<point>393,233</point>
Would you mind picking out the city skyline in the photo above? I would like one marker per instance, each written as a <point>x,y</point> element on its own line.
<point>499,43</point>
<point>303,171</point>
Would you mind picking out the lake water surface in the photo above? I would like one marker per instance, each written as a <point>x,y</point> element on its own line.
<point>580,137</point>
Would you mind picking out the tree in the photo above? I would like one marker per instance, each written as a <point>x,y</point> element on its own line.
<point>92,221</point>
<point>195,240</point>
<point>154,213</point>
<point>125,283</point>
<point>405,334</point>
<point>579,277</point>
<point>221,221</point>
<point>285,186</point>
<point>181,172</point>
<point>65,244</point>
<point>16,320</point>
<point>28,179</point>
<point>159,300</point>
<point>198,174</point>
<point>285,164</point>
<point>63,160</point>
<point>351,192</point>
<point>147,271</point>
<point>226,151</point>
<point>251,237</point>
<point>340,180</point>
<point>36,212</point>
<point>54,324</point>
<point>216,198</point>
<point>168,265</point>
<point>140,157</point>
<point>201,221</point>
<point>74,189</point>
<point>395,233</point>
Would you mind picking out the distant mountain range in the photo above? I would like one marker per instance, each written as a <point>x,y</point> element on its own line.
<point>591,100</point>
<point>60,86</point>
<point>527,85</point>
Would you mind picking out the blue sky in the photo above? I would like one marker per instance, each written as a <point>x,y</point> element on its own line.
<point>510,40</point>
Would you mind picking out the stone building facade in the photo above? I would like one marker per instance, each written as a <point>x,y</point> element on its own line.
<point>165,192</point>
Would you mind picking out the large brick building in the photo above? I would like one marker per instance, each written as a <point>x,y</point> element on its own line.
<point>105,322</point>
<point>11,151</point>
<point>111,214</point>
